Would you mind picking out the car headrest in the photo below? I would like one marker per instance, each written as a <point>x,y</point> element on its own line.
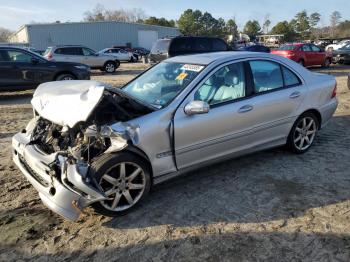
<point>231,78</point>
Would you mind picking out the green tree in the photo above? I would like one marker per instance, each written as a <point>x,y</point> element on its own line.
<point>302,24</point>
<point>198,23</point>
<point>286,29</point>
<point>189,22</point>
<point>232,28</point>
<point>252,28</point>
<point>159,21</point>
<point>314,19</point>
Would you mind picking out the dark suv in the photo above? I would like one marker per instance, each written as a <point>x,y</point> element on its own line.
<point>22,69</point>
<point>184,45</point>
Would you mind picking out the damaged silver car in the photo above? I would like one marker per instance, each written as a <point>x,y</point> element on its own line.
<point>89,144</point>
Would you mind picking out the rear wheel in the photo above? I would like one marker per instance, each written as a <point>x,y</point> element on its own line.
<point>125,178</point>
<point>303,133</point>
<point>64,77</point>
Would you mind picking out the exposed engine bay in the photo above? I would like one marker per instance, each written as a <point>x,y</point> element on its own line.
<point>87,140</point>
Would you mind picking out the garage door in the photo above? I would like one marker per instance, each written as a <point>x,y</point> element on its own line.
<point>147,38</point>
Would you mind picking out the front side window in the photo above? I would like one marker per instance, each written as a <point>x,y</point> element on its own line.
<point>162,83</point>
<point>17,56</point>
<point>227,84</point>
<point>266,76</point>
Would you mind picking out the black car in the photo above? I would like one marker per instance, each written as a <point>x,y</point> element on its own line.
<point>141,51</point>
<point>22,69</point>
<point>342,55</point>
<point>185,45</point>
<point>255,48</point>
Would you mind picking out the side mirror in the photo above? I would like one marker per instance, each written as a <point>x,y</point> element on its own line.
<point>196,107</point>
<point>35,61</point>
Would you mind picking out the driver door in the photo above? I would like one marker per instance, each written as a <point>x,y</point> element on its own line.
<point>221,131</point>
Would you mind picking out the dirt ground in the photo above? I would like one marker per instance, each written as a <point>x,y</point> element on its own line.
<point>269,206</point>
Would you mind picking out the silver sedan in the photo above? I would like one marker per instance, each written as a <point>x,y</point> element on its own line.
<point>93,145</point>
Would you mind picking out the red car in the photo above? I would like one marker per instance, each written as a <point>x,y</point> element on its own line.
<point>305,54</point>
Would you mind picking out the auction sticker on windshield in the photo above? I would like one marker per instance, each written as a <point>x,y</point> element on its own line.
<point>194,68</point>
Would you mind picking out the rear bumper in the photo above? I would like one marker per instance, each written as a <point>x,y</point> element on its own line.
<point>65,194</point>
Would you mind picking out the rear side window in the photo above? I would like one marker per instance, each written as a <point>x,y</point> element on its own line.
<point>266,76</point>
<point>183,45</point>
<point>290,79</point>
<point>69,51</point>
<point>161,46</point>
<point>203,45</point>
<point>219,45</point>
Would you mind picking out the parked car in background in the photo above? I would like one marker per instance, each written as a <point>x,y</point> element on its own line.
<point>336,46</point>
<point>305,54</point>
<point>129,49</point>
<point>342,55</point>
<point>141,51</point>
<point>83,55</point>
<point>22,69</point>
<point>93,145</point>
<point>255,48</point>
<point>118,53</point>
<point>185,45</point>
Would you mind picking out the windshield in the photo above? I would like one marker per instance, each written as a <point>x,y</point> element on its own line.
<point>287,47</point>
<point>162,83</point>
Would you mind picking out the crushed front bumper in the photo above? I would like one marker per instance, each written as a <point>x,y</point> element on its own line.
<point>67,194</point>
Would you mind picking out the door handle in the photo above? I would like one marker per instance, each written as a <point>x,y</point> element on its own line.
<point>245,109</point>
<point>294,94</point>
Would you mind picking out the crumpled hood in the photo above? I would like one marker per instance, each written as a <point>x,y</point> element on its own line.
<point>67,102</point>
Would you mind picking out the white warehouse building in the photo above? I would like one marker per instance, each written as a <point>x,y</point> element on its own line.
<point>95,35</point>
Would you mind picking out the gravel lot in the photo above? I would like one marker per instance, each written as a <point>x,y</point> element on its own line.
<point>269,206</point>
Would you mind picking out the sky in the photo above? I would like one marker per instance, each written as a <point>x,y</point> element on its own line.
<point>16,13</point>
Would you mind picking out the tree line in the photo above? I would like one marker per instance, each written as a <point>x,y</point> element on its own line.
<point>197,23</point>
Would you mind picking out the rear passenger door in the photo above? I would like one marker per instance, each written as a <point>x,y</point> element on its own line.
<point>277,94</point>
<point>318,56</point>
<point>308,55</point>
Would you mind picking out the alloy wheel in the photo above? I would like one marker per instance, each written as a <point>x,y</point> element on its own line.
<point>304,133</point>
<point>124,185</point>
<point>110,68</point>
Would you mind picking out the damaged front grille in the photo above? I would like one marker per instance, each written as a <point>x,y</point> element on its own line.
<point>35,175</point>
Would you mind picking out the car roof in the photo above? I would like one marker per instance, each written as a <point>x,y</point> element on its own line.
<point>208,58</point>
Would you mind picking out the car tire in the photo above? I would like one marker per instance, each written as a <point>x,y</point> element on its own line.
<point>132,59</point>
<point>65,77</point>
<point>126,191</point>
<point>301,62</point>
<point>110,67</point>
<point>327,63</point>
<point>303,133</point>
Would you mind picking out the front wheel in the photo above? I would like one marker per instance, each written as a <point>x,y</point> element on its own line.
<point>65,77</point>
<point>109,67</point>
<point>303,133</point>
<point>125,178</point>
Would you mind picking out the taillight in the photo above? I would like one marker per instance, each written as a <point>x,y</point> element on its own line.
<point>49,56</point>
<point>334,92</point>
